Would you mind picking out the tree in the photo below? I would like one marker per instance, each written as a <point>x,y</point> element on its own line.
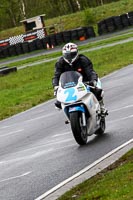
<point>13,11</point>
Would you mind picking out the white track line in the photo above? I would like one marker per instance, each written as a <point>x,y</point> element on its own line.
<point>14,177</point>
<point>61,134</point>
<point>32,155</point>
<point>118,120</point>
<point>11,133</point>
<point>26,157</point>
<point>117,109</point>
<point>27,121</point>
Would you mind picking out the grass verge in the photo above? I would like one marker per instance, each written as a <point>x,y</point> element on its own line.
<point>113,183</point>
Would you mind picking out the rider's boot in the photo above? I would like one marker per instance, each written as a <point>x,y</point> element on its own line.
<point>102,107</point>
<point>58,105</point>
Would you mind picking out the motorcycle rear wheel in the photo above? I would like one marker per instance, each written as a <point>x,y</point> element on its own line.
<point>79,131</point>
<point>101,130</point>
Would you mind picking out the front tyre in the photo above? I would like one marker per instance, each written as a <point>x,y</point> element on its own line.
<point>79,131</point>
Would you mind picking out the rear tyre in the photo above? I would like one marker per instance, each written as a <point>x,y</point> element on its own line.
<point>79,131</point>
<point>101,130</point>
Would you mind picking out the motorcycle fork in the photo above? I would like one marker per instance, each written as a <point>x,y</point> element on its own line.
<point>83,119</point>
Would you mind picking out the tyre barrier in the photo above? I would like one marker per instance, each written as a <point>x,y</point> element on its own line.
<point>1,53</point>
<point>102,27</point>
<point>32,46</point>
<point>130,18</point>
<point>130,21</point>
<point>115,23</point>
<point>81,33</point>
<point>124,19</point>
<point>130,14</point>
<point>4,52</point>
<point>4,67</point>
<point>74,35</point>
<point>59,38</point>
<point>19,49</point>
<point>90,32</point>
<point>67,36</point>
<point>5,70</point>
<point>52,42</point>
<point>46,42</point>
<point>12,50</point>
<point>25,47</point>
<point>118,22</point>
<point>105,26</point>
<point>110,24</point>
<point>39,44</point>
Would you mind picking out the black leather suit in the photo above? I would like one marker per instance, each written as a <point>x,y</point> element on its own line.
<point>82,65</point>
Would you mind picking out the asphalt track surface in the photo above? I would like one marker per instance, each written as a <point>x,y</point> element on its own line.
<point>38,151</point>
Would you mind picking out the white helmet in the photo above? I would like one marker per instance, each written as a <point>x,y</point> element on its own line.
<point>70,52</point>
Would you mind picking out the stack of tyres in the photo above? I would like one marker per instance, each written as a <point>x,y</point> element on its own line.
<point>53,42</point>
<point>25,47</point>
<point>32,46</point>
<point>90,32</point>
<point>19,49</point>
<point>5,52</point>
<point>118,22</point>
<point>110,24</point>
<point>12,50</point>
<point>81,33</point>
<point>39,44</point>
<point>66,36</point>
<point>130,18</point>
<point>59,38</point>
<point>5,70</point>
<point>1,53</point>
<point>102,27</point>
<point>4,67</point>
<point>74,35</point>
<point>46,42</point>
<point>124,19</point>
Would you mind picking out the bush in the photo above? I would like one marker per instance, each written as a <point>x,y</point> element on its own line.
<point>89,16</point>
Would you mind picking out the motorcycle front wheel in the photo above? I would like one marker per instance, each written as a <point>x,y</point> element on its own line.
<point>79,131</point>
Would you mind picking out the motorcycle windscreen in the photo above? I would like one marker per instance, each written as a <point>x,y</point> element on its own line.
<point>69,79</point>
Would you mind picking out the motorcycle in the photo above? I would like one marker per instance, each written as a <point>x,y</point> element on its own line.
<point>80,106</point>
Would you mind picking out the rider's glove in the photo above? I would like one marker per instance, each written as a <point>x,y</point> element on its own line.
<point>55,90</point>
<point>93,83</point>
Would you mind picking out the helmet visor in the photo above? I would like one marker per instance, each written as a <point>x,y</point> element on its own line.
<point>70,56</point>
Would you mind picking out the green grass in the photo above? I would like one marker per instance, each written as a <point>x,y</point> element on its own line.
<point>110,59</point>
<point>113,183</point>
<point>25,89</point>
<point>80,19</point>
<point>31,86</point>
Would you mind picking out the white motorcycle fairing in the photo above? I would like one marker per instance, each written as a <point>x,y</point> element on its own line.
<point>75,96</point>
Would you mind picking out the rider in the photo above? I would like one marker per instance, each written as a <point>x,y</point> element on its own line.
<point>72,61</point>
